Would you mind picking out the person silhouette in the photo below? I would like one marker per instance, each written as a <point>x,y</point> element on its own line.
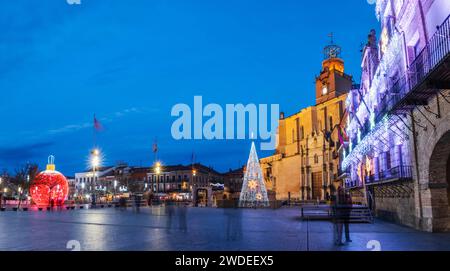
<point>182,221</point>
<point>169,210</point>
<point>342,212</point>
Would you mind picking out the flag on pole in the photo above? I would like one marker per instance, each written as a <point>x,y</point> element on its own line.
<point>341,139</point>
<point>155,147</point>
<point>97,125</point>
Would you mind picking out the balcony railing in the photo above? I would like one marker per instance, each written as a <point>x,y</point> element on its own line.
<point>402,173</point>
<point>436,50</point>
<point>395,173</point>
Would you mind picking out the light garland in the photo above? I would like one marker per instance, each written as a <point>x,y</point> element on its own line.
<point>378,86</point>
<point>366,145</point>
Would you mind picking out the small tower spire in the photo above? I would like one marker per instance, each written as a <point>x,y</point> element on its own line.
<point>332,50</point>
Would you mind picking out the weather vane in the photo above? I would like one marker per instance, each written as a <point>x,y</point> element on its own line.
<point>332,50</point>
<point>330,35</point>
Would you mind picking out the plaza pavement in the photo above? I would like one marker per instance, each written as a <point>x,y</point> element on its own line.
<point>198,229</point>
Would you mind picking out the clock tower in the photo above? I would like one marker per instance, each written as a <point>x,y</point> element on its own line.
<point>332,81</point>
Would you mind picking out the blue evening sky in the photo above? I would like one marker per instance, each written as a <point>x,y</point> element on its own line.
<point>129,62</point>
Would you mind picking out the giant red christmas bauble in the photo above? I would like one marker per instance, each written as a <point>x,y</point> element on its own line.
<point>47,186</point>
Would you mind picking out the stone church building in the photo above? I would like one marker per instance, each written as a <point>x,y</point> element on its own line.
<point>307,154</point>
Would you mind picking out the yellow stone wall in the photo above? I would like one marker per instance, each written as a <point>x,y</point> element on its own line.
<point>302,149</point>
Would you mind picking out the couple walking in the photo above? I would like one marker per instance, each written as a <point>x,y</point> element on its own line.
<point>342,206</point>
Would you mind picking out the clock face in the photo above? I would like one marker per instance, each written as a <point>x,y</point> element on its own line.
<point>324,90</point>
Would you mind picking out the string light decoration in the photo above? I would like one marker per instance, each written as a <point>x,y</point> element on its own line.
<point>49,185</point>
<point>254,193</point>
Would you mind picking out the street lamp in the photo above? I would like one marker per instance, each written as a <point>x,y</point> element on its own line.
<point>158,168</point>
<point>158,172</point>
<point>95,161</point>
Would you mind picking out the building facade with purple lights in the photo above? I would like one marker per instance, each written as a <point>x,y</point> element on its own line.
<point>400,116</point>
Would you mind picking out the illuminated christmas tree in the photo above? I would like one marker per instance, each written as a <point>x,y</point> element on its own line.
<point>254,193</point>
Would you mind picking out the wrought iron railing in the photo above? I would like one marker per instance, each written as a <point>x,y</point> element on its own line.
<point>352,183</point>
<point>392,174</point>
<point>395,173</point>
<point>437,49</point>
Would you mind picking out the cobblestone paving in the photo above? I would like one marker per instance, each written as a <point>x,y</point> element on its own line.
<point>198,229</point>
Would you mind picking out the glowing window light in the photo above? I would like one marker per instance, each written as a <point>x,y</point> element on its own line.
<point>372,120</point>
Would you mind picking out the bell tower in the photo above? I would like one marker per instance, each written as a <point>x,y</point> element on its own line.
<point>332,81</point>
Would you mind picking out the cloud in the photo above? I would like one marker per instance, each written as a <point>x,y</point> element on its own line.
<point>70,128</point>
<point>25,152</point>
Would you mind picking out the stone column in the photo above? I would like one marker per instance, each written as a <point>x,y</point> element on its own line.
<point>309,181</point>
<point>376,167</point>
<point>302,183</point>
<point>330,179</point>
<point>399,154</point>
<point>324,181</point>
<point>383,165</point>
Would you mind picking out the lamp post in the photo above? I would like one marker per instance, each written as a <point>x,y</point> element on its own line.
<point>115,188</point>
<point>158,172</point>
<point>95,163</point>
<point>82,192</point>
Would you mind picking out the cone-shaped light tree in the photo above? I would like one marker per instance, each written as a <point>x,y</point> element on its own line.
<point>254,193</point>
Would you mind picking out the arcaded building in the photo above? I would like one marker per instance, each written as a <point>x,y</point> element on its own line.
<point>398,156</point>
<point>307,155</point>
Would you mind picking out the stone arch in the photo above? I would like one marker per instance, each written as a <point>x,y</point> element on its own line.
<point>207,196</point>
<point>439,183</point>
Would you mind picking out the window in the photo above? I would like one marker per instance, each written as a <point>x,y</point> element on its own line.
<point>331,123</point>
<point>324,90</point>
<point>388,160</point>
<point>316,159</point>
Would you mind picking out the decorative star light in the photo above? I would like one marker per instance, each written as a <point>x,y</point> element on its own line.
<point>259,196</point>
<point>252,184</point>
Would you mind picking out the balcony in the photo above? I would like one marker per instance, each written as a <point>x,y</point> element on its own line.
<point>426,74</point>
<point>400,173</point>
<point>353,184</point>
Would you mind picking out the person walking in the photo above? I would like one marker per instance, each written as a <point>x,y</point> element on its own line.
<point>347,213</point>
<point>335,217</point>
<point>342,215</point>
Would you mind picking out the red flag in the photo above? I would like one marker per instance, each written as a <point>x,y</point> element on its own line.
<point>155,147</point>
<point>341,139</point>
<point>97,125</point>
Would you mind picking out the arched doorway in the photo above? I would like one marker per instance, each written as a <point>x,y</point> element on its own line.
<point>202,197</point>
<point>439,183</point>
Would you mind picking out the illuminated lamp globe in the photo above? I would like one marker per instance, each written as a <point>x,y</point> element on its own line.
<point>49,186</point>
